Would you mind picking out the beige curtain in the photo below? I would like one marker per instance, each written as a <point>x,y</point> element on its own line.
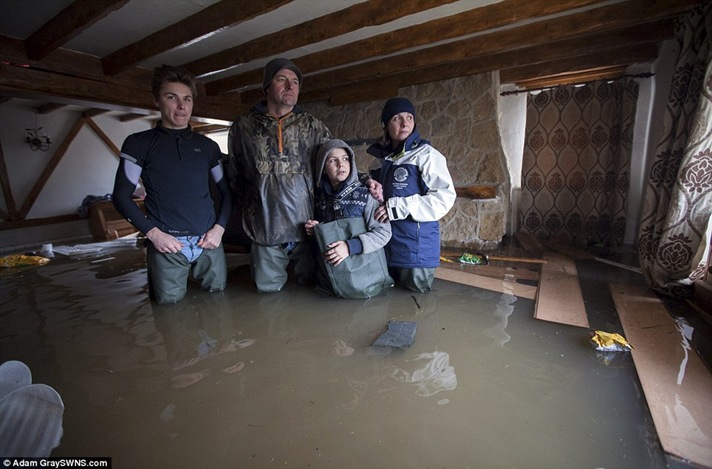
<point>678,197</point>
<point>576,162</point>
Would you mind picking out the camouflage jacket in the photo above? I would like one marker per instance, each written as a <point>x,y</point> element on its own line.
<point>272,179</point>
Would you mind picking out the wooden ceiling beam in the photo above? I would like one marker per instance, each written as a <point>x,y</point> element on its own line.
<point>605,18</point>
<point>571,78</point>
<point>470,22</point>
<point>361,15</point>
<point>80,79</point>
<point>102,136</point>
<point>560,71</point>
<point>93,112</point>
<point>202,25</point>
<point>11,213</point>
<point>208,128</point>
<point>132,117</point>
<point>68,24</point>
<point>513,39</point>
<point>69,63</point>
<point>576,52</point>
<point>498,43</point>
<point>21,80</point>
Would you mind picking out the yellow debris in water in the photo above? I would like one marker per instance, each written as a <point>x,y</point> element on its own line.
<point>609,341</point>
<point>22,260</point>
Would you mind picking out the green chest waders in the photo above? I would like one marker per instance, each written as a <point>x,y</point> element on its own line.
<point>357,276</point>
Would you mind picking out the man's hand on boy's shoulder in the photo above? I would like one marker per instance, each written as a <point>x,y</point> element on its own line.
<point>309,227</point>
<point>375,188</point>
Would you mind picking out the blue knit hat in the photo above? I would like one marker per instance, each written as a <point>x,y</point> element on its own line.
<point>274,66</point>
<point>395,106</point>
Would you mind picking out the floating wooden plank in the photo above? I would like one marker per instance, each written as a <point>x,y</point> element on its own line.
<point>487,283</point>
<point>632,268</point>
<point>574,252</point>
<point>676,383</point>
<point>559,298</point>
<point>502,272</point>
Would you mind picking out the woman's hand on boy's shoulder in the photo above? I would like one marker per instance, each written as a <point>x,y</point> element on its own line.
<point>381,214</point>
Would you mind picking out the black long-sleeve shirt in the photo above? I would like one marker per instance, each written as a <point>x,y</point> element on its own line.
<point>175,167</point>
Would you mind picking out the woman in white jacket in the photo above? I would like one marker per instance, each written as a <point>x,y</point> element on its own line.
<point>418,191</point>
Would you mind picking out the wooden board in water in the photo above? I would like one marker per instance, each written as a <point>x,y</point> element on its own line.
<point>559,298</point>
<point>487,283</point>
<point>676,383</point>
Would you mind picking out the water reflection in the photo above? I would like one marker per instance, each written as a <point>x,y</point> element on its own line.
<point>498,332</point>
<point>435,376</point>
<point>686,332</point>
<point>194,333</point>
<point>241,379</point>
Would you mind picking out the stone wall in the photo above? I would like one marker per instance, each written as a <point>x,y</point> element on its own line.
<point>459,117</point>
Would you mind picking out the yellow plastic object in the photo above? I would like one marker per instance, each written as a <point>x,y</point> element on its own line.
<point>610,342</point>
<point>22,260</point>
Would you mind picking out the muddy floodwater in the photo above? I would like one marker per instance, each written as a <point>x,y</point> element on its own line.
<point>240,379</point>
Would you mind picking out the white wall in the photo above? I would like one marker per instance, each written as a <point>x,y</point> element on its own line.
<point>512,115</point>
<point>652,101</point>
<point>87,167</point>
<point>221,139</point>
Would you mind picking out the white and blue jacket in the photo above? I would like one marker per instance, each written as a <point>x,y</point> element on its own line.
<point>418,191</point>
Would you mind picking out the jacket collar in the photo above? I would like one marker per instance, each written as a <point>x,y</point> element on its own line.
<point>261,108</point>
<point>381,150</point>
<point>344,189</point>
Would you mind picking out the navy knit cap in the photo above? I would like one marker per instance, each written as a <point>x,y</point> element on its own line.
<point>274,66</point>
<point>395,106</point>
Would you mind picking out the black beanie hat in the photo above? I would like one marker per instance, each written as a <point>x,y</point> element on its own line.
<point>274,66</point>
<point>395,106</point>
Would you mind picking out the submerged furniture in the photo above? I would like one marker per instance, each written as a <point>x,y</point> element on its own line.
<point>106,223</point>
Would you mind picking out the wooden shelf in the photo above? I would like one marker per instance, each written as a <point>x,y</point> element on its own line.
<point>482,192</point>
<point>106,223</point>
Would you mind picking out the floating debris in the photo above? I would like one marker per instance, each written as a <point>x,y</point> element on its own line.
<point>610,342</point>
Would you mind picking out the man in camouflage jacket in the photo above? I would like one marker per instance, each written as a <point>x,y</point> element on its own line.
<point>273,150</point>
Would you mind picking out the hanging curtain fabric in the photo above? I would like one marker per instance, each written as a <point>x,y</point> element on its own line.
<point>678,195</point>
<point>576,162</point>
